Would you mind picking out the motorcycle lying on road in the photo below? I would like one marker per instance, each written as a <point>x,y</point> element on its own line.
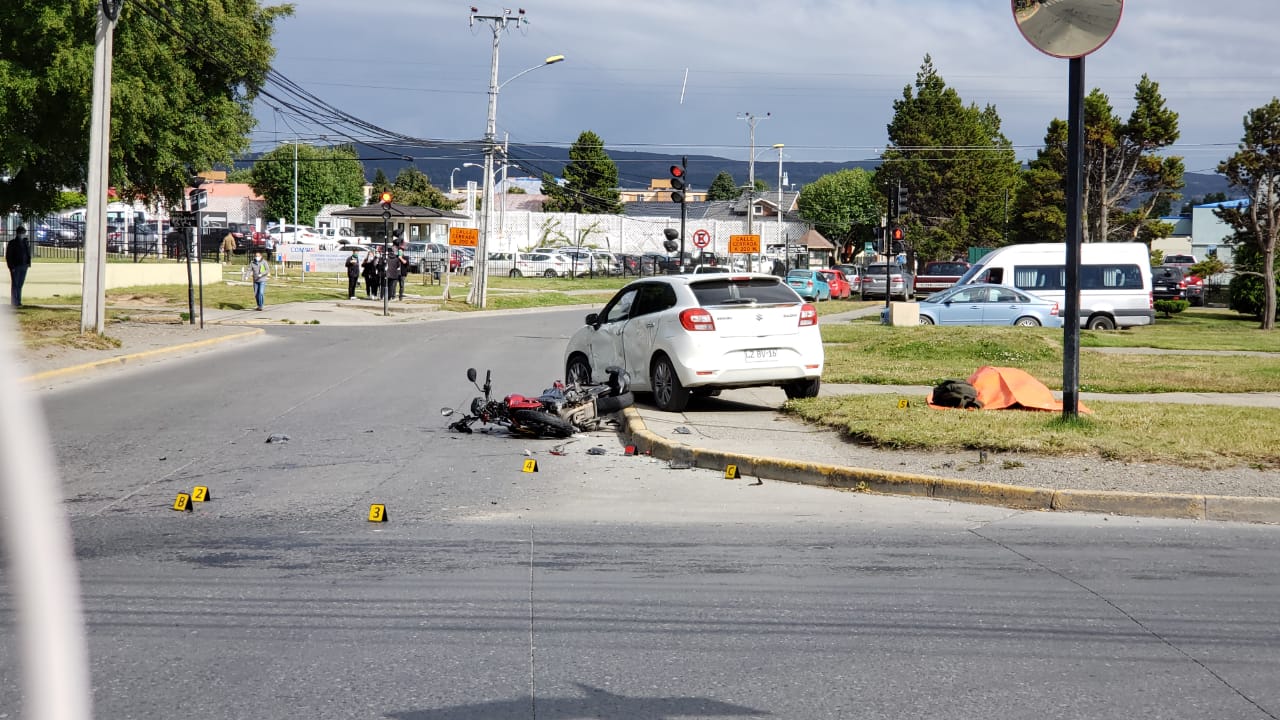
<point>560,411</point>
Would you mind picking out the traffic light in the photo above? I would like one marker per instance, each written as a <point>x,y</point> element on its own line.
<point>386,200</point>
<point>898,235</point>
<point>679,181</point>
<point>902,199</point>
<point>672,235</point>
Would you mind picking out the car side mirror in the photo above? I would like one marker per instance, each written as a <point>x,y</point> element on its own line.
<point>593,319</point>
<point>471,374</point>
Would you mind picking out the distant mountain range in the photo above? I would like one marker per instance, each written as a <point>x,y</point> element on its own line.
<point>636,169</point>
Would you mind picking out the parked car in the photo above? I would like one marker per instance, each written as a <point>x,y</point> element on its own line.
<point>431,255</point>
<point>295,235</point>
<point>809,284</point>
<point>532,265</point>
<point>627,264</point>
<point>986,305</point>
<point>703,269</point>
<point>901,283</point>
<point>939,275</point>
<point>1168,282</point>
<point>677,335</point>
<point>841,289</point>
<point>853,274</point>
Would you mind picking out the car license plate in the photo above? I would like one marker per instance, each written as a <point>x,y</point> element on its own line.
<point>761,355</point>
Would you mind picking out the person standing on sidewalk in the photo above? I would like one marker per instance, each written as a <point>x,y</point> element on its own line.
<point>17,255</point>
<point>369,270</point>
<point>259,270</point>
<point>353,274</point>
<point>396,268</point>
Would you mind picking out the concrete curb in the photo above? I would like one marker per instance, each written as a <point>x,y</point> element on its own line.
<point>1153,505</point>
<point>124,359</point>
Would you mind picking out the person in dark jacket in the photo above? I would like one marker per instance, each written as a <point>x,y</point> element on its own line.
<point>17,255</point>
<point>370,272</point>
<point>397,266</point>
<point>353,274</point>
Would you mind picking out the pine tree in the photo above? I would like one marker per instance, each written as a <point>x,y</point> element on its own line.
<point>591,180</point>
<point>380,185</point>
<point>957,167</point>
<point>1255,169</point>
<point>723,187</point>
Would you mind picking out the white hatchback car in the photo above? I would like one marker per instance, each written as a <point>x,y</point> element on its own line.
<point>679,335</point>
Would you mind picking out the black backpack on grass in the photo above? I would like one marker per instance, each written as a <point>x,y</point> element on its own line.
<point>956,394</point>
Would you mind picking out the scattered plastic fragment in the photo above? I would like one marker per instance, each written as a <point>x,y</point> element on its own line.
<point>682,430</point>
<point>597,450</point>
<point>275,438</point>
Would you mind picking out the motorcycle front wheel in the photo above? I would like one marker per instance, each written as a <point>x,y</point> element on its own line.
<point>542,423</point>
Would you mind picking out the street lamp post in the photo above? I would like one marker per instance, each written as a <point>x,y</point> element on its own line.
<point>451,191</point>
<point>751,119</point>
<point>779,147</point>
<point>498,23</point>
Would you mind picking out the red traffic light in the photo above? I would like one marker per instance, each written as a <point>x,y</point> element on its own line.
<point>677,171</point>
<point>898,234</point>
<point>386,198</point>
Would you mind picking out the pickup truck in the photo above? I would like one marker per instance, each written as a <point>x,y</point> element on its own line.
<point>939,275</point>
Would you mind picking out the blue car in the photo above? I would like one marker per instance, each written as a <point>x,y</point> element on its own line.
<point>986,304</point>
<point>809,284</point>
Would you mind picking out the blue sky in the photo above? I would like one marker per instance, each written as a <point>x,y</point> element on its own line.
<point>826,70</point>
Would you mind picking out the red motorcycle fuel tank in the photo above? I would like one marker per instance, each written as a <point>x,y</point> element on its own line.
<point>520,402</point>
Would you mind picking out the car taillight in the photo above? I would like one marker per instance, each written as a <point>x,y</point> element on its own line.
<point>897,278</point>
<point>1054,310</point>
<point>697,319</point>
<point>808,315</point>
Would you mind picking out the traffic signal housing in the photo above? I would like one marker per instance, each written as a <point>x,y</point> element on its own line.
<point>679,183</point>
<point>902,200</point>
<point>386,200</point>
<point>898,236</point>
<point>672,235</point>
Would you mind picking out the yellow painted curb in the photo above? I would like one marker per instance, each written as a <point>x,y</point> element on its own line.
<point>1194,507</point>
<point>124,359</point>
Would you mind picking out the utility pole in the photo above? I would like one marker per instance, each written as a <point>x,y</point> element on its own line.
<point>480,275</point>
<point>779,148</point>
<point>93,297</point>
<point>751,119</point>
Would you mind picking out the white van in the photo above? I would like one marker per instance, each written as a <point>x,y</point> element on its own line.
<point>1115,279</point>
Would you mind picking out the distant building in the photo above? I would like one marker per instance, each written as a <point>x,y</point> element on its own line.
<point>1203,234</point>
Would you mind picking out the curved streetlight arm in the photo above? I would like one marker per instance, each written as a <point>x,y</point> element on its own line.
<point>549,61</point>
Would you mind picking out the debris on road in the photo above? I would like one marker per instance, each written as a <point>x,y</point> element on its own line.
<point>597,450</point>
<point>277,438</point>
<point>682,430</point>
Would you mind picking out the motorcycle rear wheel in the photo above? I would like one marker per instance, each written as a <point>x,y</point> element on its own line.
<point>542,423</point>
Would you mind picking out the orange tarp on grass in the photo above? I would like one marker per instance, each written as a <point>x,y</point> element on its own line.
<point>1001,387</point>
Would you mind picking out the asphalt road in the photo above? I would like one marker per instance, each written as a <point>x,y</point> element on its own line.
<point>600,586</point>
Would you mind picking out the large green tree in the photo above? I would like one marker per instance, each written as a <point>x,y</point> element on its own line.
<point>1255,169</point>
<point>842,205</point>
<point>325,176</point>
<point>1125,179</point>
<point>379,185</point>
<point>185,74</point>
<point>1040,207</point>
<point>956,166</point>
<point>723,187</point>
<point>591,180</point>
<point>413,187</point>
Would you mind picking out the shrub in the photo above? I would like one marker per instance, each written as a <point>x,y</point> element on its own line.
<point>1246,295</point>
<point>1171,307</point>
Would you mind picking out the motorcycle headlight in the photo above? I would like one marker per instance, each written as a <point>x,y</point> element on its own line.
<point>477,406</point>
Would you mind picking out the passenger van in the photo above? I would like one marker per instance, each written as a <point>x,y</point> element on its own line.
<point>1115,279</point>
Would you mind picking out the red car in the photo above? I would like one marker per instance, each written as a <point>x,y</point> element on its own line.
<point>840,287</point>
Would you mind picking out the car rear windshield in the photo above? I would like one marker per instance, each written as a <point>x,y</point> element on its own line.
<point>880,269</point>
<point>947,268</point>
<point>729,291</point>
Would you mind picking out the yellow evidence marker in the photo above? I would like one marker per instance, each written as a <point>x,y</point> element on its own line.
<point>377,513</point>
<point>530,465</point>
<point>182,503</point>
<point>199,493</point>
<point>903,404</point>
<point>731,472</point>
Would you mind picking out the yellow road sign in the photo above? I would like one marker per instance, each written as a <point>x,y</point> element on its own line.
<point>744,244</point>
<point>464,237</point>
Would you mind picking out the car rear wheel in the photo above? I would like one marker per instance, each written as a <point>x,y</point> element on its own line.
<point>1100,322</point>
<point>514,273</point>
<point>549,273</point>
<point>1027,322</point>
<point>577,371</point>
<point>668,393</point>
<point>798,389</point>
